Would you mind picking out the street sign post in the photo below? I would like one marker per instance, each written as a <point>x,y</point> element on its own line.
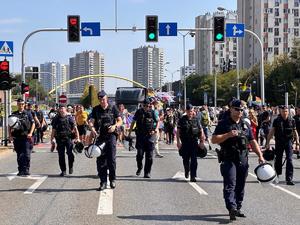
<point>235,30</point>
<point>90,29</point>
<point>62,99</point>
<point>167,29</point>
<point>6,48</point>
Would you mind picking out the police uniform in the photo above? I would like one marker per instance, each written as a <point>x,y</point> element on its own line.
<point>104,118</point>
<point>234,160</point>
<point>22,145</point>
<point>190,130</point>
<point>64,126</point>
<point>283,143</point>
<point>297,121</point>
<point>145,138</point>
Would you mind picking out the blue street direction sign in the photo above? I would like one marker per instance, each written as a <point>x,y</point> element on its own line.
<point>235,30</point>
<point>167,29</point>
<point>90,29</point>
<point>6,48</point>
<point>179,94</point>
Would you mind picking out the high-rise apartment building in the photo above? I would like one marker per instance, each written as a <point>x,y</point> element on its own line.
<point>276,22</point>
<point>148,66</point>
<point>86,63</point>
<point>191,57</point>
<point>64,77</point>
<point>211,56</point>
<point>50,75</point>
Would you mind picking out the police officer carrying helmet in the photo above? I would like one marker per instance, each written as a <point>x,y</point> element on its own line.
<point>284,129</point>
<point>233,135</point>
<point>64,130</point>
<point>145,118</point>
<point>189,133</point>
<point>22,137</point>
<point>104,121</point>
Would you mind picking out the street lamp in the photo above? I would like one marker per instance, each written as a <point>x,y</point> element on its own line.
<point>184,75</point>
<point>237,52</point>
<point>172,74</point>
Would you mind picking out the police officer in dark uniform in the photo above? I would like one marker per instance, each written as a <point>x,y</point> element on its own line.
<point>233,135</point>
<point>189,133</point>
<point>284,129</point>
<point>145,118</point>
<point>104,121</point>
<point>22,138</point>
<point>297,121</point>
<point>64,130</point>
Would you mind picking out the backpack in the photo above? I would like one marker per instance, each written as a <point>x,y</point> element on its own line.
<point>25,125</point>
<point>204,119</point>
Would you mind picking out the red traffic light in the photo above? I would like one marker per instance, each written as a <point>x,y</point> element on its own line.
<point>4,65</point>
<point>73,21</point>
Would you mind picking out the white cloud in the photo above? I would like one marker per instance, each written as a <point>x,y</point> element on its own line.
<point>11,21</point>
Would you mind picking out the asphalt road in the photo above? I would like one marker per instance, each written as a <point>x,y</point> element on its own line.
<point>167,198</point>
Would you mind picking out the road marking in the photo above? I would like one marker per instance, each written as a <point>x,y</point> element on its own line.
<point>105,205</point>
<point>40,180</point>
<point>180,176</point>
<point>280,188</point>
<point>12,176</point>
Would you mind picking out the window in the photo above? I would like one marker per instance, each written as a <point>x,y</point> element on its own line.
<point>296,22</point>
<point>270,49</point>
<point>276,31</point>
<point>276,51</point>
<point>285,30</point>
<point>296,12</point>
<point>296,32</point>
<point>270,30</point>
<point>296,3</point>
<point>277,2</point>
<point>276,12</point>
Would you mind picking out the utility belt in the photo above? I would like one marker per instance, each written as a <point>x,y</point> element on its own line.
<point>233,154</point>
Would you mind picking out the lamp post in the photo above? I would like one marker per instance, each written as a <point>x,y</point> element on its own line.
<point>184,75</point>
<point>237,52</point>
<point>172,75</point>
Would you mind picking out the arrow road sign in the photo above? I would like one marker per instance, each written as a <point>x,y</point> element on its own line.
<point>235,30</point>
<point>167,29</point>
<point>6,48</point>
<point>90,29</point>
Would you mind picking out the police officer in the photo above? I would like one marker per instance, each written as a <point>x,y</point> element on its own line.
<point>64,130</point>
<point>22,138</point>
<point>104,121</point>
<point>284,129</point>
<point>145,118</point>
<point>233,135</point>
<point>189,132</point>
<point>297,121</point>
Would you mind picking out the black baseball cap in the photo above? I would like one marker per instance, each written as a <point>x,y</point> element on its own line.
<point>189,106</point>
<point>101,94</point>
<point>236,103</point>
<point>147,101</point>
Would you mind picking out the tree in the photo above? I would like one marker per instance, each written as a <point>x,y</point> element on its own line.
<point>89,96</point>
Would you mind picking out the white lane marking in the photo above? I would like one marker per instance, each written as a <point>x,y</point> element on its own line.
<point>12,176</point>
<point>280,188</point>
<point>180,176</point>
<point>40,180</point>
<point>105,205</point>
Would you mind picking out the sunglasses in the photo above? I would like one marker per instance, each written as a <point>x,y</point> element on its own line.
<point>238,109</point>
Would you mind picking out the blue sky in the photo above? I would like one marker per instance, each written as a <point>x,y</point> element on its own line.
<point>24,16</point>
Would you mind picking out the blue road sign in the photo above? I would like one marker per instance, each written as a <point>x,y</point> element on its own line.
<point>6,48</point>
<point>179,94</point>
<point>235,30</point>
<point>90,29</point>
<point>167,29</point>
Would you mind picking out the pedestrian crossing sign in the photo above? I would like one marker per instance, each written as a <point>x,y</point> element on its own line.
<point>6,48</point>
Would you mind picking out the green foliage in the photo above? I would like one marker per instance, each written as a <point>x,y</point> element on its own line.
<point>89,97</point>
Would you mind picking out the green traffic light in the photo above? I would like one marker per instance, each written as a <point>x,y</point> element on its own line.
<point>219,36</point>
<point>151,36</point>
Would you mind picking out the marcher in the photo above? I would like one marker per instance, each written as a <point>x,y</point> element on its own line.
<point>284,129</point>
<point>190,137</point>
<point>22,138</point>
<point>104,122</point>
<point>233,135</point>
<point>81,118</point>
<point>144,119</point>
<point>64,131</point>
<point>156,143</point>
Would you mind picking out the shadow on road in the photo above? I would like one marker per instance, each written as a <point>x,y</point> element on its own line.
<point>209,218</point>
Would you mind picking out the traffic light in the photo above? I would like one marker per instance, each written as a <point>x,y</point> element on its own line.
<point>6,81</point>
<point>73,28</point>
<point>35,72</point>
<point>24,88</point>
<point>151,28</point>
<point>219,28</point>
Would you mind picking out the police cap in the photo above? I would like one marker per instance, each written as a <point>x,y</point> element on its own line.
<point>236,103</point>
<point>147,101</point>
<point>101,94</point>
<point>283,107</point>
<point>20,100</point>
<point>189,106</point>
<point>61,105</point>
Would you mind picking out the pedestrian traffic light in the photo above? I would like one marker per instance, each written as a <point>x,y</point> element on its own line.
<point>6,81</point>
<point>73,28</point>
<point>35,73</point>
<point>219,28</point>
<point>151,28</point>
<point>24,88</point>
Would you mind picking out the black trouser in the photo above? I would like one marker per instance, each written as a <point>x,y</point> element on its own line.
<point>286,147</point>
<point>170,132</point>
<point>37,135</point>
<point>63,145</point>
<point>144,145</point>
<point>23,150</point>
<point>107,160</point>
<point>189,157</point>
<point>234,179</point>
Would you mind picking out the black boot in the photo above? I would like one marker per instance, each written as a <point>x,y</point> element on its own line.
<point>102,186</point>
<point>232,214</point>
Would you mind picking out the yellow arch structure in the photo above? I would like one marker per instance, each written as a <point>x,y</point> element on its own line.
<point>97,75</point>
